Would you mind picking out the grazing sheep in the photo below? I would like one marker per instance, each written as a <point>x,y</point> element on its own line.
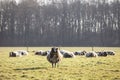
<point>67,54</point>
<point>38,52</point>
<point>102,53</point>
<point>91,54</point>
<point>80,53</point>
<point>22,52</point>
<point>110,52</point>
<point>42,53</point>
<point>18,53</point>
<point>14,54</point>
<point>54,56</point>
<point>45,53</point>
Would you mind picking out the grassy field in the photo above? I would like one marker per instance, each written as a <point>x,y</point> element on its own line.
<point>33,67</point>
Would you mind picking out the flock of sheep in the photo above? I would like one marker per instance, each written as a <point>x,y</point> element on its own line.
<point>55,55</point>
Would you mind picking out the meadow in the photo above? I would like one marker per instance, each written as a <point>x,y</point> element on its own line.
<point>34,67</point>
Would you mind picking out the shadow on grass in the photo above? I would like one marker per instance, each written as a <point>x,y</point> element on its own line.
<point>33,68</point>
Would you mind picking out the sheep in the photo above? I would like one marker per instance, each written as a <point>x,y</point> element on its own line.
<point>42,53</point>
<point>38,52</point>
<point>67,54</point>
<point>63,51</point>
<point>18,53</point>
<point>102,53</point>
<point>80,53</point>
<point>22,52</point>
<point>54,56</point>
<point>110,52</point>
<point>91,54</point>
<point>45,53</point>
<point>14,54</point>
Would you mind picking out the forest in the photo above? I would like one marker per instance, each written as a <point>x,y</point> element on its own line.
<point>60,23</point>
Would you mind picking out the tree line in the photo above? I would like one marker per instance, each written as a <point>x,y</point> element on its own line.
<point>60,23</point>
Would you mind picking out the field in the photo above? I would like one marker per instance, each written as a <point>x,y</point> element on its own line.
<point>33,67</point>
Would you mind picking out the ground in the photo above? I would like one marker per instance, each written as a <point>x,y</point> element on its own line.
<point>34,67</point>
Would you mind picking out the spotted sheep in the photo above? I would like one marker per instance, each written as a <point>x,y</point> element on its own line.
<point>22,52</point>
<point>91,54</point>
<point>80,52</point>
<point>42,53</point>
<point>110,52</point>
<point>18,53</point>
<point>102,53</point>
<point>14,54</point>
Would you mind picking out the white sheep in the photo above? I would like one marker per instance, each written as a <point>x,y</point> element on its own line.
<point>42,53</point>
<point>18,53</point>
<point>14,54</point>
<point>91,54</point>
<point>22,52</point>
<point>67,54</point>
<point>80,52</point>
